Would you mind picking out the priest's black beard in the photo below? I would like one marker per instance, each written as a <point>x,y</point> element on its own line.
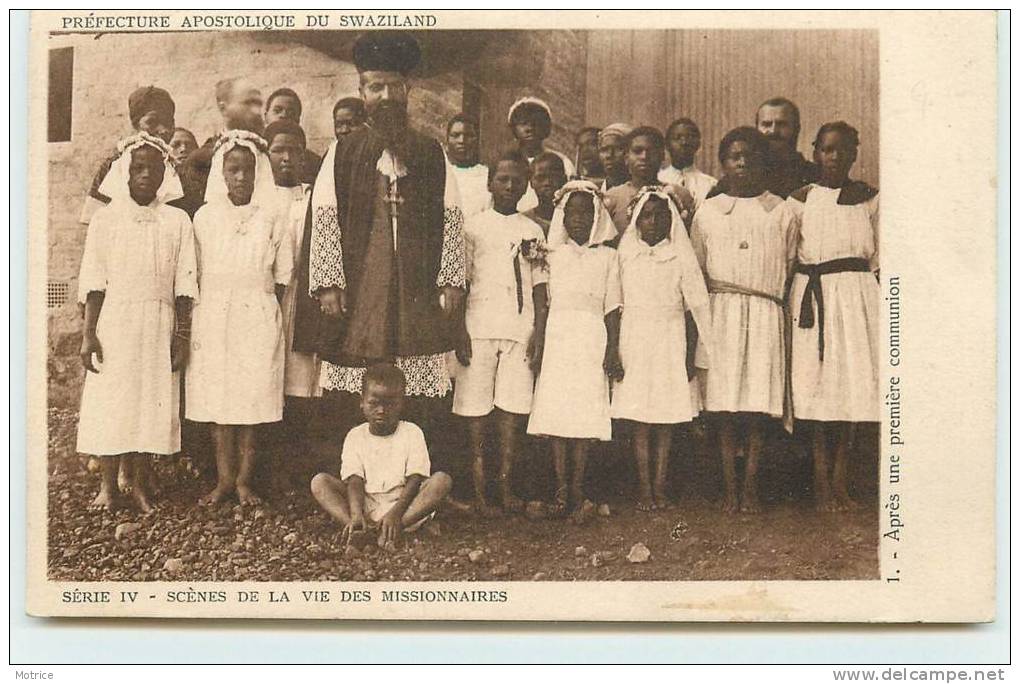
<point>390,120</point>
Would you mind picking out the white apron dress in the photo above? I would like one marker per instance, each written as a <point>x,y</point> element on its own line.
<point>658,287</point>
<point>572,392</point>
<point>143,258</point>
<point>843,386</point>
<point>745,244</point>
<point>235,374</point>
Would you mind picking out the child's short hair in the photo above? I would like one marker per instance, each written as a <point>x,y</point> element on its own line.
<point>746,134</point>
<point>682,121</point>
<point>843,128</point>
<point>511,155</point>
<point>588,129</point>
<point>648,132</point>
<point>464,119</point>
<point>284,127</point>
<point>550,157</point>
<point>284,92</point>
<point>188,133</point>
<point>355,104</point>
<point>225,88</point>
<point>385,374</point>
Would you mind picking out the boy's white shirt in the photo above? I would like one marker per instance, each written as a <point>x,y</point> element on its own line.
<point>385,462</point>
<point>492,241</point>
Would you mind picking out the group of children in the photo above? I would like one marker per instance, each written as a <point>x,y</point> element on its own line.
<point>648,298</point>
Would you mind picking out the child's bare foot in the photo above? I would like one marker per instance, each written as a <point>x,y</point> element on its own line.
<point>511,504</point>
<point>217,495</point>
<point>583,513</point>
<point>486,510</point>
<point>457,505</point>
<point>662,500</point>
<point>731,503</point>
<point>750,504</point>
<point>124,483</point>
<point>141,499</point>
<point>104,501</point>
<point>247,496</point>
<point>558,508</point>
<point>645,503</point>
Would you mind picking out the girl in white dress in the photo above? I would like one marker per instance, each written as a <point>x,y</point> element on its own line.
<point>834,301</point>
<point>578,344</point>
<point>745,242</point>
<point>661,279</point>
<point>235,380</point>
<point>137,282</point>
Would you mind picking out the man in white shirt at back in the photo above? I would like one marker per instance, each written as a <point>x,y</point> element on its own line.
<point>462,154</point>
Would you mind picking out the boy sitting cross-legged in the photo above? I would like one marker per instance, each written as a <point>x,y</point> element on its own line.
<point>385,476</point>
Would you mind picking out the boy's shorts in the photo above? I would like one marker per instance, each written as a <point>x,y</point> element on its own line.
<point>378,504</point>
<point>499,376</point>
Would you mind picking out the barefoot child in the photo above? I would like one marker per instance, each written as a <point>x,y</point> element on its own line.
<point>661,279</point>
<point>235,380</point>
<point>385,474</point>
<point>138,280</point>
<point>745,239</point>
<point>579,347</point>
<point>547,176</point>
<point>286,144</point>
<point>506,294</point>
<point>834,300</point>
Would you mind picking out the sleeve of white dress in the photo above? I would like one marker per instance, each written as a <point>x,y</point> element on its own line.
<point>791,227</point>
<point>452,264</point>
<point>283,264</point>
<point>873,215</point>
<point>326,259</point>
<point>698,238</point>
<point>186,275</point>
<point>92,275</point>
<point>417,454</point>
<point>614,289</point>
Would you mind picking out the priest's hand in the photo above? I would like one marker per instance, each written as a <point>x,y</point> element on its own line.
<point>333,302</point>
<point>450,299</point>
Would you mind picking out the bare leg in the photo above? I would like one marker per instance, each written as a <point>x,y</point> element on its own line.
<point>728,447</point>
<point>641,458</point>
<point>140,485</point>
<point>840,490</point>
<point>328,491</point>
<point>430,496</point>
<point>106,500</point>
<point>507,425</point>
<point>823,495</point>
<point>559,449</point>
<point>476,435</point>
<point>246,460</point>
<point>749,498</point>
<point>583,507</point>
<point>223,439</point>
<point>126,475</point>
<point>663,445</point>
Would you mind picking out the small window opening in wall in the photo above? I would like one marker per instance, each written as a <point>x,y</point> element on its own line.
<point>61,76</point>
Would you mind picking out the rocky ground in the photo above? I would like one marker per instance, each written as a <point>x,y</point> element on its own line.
<point>288,539</point>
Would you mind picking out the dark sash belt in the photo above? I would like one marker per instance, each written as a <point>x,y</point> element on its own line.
<point>813,292</point>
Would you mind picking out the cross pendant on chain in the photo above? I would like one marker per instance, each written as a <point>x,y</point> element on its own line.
<point>393,202</point>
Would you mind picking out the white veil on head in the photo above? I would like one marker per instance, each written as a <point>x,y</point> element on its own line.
<point>264,193</point>
<point>115,184</point>
<point>631,239</point>
<point>602,228</point>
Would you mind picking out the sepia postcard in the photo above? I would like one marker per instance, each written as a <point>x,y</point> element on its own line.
<point>499,315</point>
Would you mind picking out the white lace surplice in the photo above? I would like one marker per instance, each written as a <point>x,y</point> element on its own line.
<point>427,374</point>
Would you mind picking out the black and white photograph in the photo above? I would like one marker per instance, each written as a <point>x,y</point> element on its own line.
<point>362,300</point>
